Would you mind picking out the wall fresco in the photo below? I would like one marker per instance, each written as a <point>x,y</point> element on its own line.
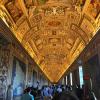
<point>4,64</point>
<point>18,77</point>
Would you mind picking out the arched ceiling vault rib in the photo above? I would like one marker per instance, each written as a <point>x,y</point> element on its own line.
<point>75,46</point>
<point>23,8</point>
<point>28,36</point>
<point>34,48</point>
<point>81,37</point>
<point>84,39</point>
<point>87,2</point>
<point>7,16</point>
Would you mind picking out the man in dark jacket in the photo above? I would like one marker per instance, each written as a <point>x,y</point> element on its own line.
<point>26,95</point>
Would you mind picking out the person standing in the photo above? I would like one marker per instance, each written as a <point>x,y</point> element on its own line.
<point>9,93</point>
<point>27,95</point>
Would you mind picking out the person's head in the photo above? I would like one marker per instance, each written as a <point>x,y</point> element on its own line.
<point>9,86</point>
<point>27,90</point>
<point>65,96</point>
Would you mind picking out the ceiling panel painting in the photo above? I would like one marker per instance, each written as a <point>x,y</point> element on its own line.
<point>53,32</point>
<point>14,9</point>
<point>94,8</point>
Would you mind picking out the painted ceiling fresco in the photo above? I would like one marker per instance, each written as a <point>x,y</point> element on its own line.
<point>54,32</point>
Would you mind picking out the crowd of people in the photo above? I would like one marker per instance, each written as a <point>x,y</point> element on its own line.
<point>58,92</point>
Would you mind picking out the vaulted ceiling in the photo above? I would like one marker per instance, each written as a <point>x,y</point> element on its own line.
<point>54,32</point>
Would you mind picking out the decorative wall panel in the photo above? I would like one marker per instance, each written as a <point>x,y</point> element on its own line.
<point>4,65</point>
<point>18,77</point>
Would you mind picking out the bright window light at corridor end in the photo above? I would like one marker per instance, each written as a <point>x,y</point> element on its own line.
<point>81,76</point>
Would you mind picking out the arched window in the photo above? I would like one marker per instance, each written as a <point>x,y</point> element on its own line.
<point>71,79</point>
<point>66,80</point>
<point>81,76</point>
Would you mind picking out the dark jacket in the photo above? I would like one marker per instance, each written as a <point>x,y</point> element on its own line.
<point>26,97</point>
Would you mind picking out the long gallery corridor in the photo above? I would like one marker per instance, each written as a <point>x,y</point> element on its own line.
<point>49,49</point>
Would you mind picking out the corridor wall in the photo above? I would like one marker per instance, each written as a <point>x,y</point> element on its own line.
<point>94,73</point>
<point>18,77</point>
<point>4,67</point>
